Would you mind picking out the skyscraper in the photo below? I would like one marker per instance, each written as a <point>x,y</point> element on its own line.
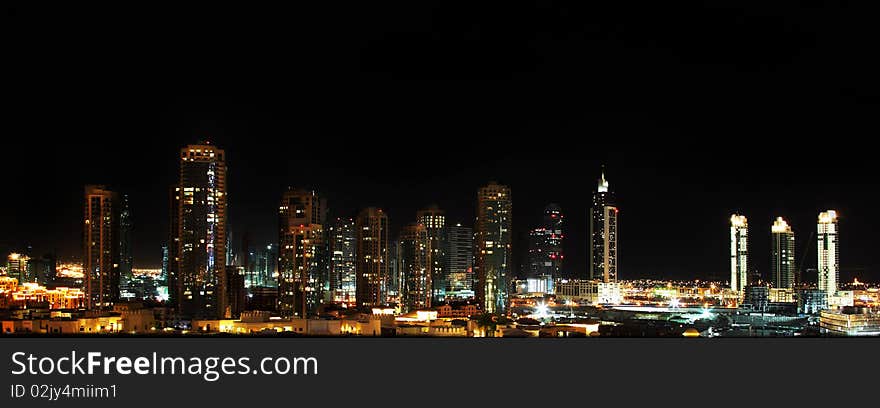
<point>125,258</point>
<point>372,257</point>
<point>17,267</point>
<point>175,285</point>
<point>782,264</point>
<point>459,261</point>
<point>414,259</point>
<point>201,231</point>
<point>302,266</point>
<point>265,267</point>
<point>101,247</point>
<point>739,253</point>
<point>829,253</point>
<point>343,246</point>
<point>603,234</point>
<point>434,221</point>
<point>545,245</point>
<point>492,246</point>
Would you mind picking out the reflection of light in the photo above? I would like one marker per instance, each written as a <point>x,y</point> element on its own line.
<point>541,310</point>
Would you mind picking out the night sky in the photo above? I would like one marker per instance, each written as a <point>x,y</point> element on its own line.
<point>696,111</point>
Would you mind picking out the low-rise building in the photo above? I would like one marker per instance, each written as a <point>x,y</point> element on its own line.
<point>851,321</point>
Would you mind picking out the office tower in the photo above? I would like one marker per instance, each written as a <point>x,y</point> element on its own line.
<point>603,234</point>
<point>492,246</point>
<point>394,280</point>
<point>125,258</point>
<point>101,247</point>
<point>42,269</point>
<point>201,231</point>
<point>343,246</point>
<point>175,286</point>
<point>270,268</point>
<point>434,221</point>
<point>739,253</point>
<point>782,264</point>
<point>829,253</point>
<point>459,261</point>
<point>545,245</point>
<point>302,265</point>
<point>414,259</point>
<point>17,267</point>
<point>372,257</point>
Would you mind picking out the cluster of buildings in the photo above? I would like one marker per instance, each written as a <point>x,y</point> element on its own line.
<point>350,261</point>
<point>329,273</point>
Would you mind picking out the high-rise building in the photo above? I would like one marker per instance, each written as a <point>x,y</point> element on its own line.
<point>492,247</point>
<point>414,259</point>
<point>782,264</point>
<point>343,247</point>
<point>434,221</point>
<point>201,231</point>
<point>829,253</point>
<point>175,285</point>
<point>603,234</point>
<point>372,257</point>
<point>302,266</point>
<point>459,261</point>
<point>125,257</point>
<point>101,247</point>
<point>739,253</point>
<point>545,245</point>
<point>265,267</point>
<point>42,269</point>
<point>17,267</point>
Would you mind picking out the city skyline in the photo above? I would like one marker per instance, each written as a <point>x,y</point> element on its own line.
<point>521,244</point>
<point>681,123</point>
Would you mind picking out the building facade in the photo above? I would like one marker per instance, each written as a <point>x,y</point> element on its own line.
<point>782,262</point>
<point>372,257</point>
<point>302,266</point>
<point>459,262</point>
<point>343,252</point>
<point>828,253</point>
<point>200,201</point>
<point>414,260</point>
<point>739,253</point>
<point>545,245</point>
<point>493,230</point>
<point>101,247</point>
<point>434,221</point>
<point>603,234</point>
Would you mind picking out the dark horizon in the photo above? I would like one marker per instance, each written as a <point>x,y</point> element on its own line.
<point>761,110</point>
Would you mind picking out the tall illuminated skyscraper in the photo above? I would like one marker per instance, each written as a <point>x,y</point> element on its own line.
<point>201,231</point>
<point>545,245</point>
<point>782,264</point>
<point>302,266</point>
<point>125,257</point>
<point>739,253</point>
<point>101,247</point>
<point>372,257</point>
<point>459,261</point>
<point>414,259</point>
<point>434,221</point>
<point>175,288</point>
<point>492,246</point>
<point>829,252</point>
<point>603,234</point>
<point>343,248</point>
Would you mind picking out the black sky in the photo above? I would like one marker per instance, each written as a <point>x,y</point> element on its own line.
<point>696,109</point>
